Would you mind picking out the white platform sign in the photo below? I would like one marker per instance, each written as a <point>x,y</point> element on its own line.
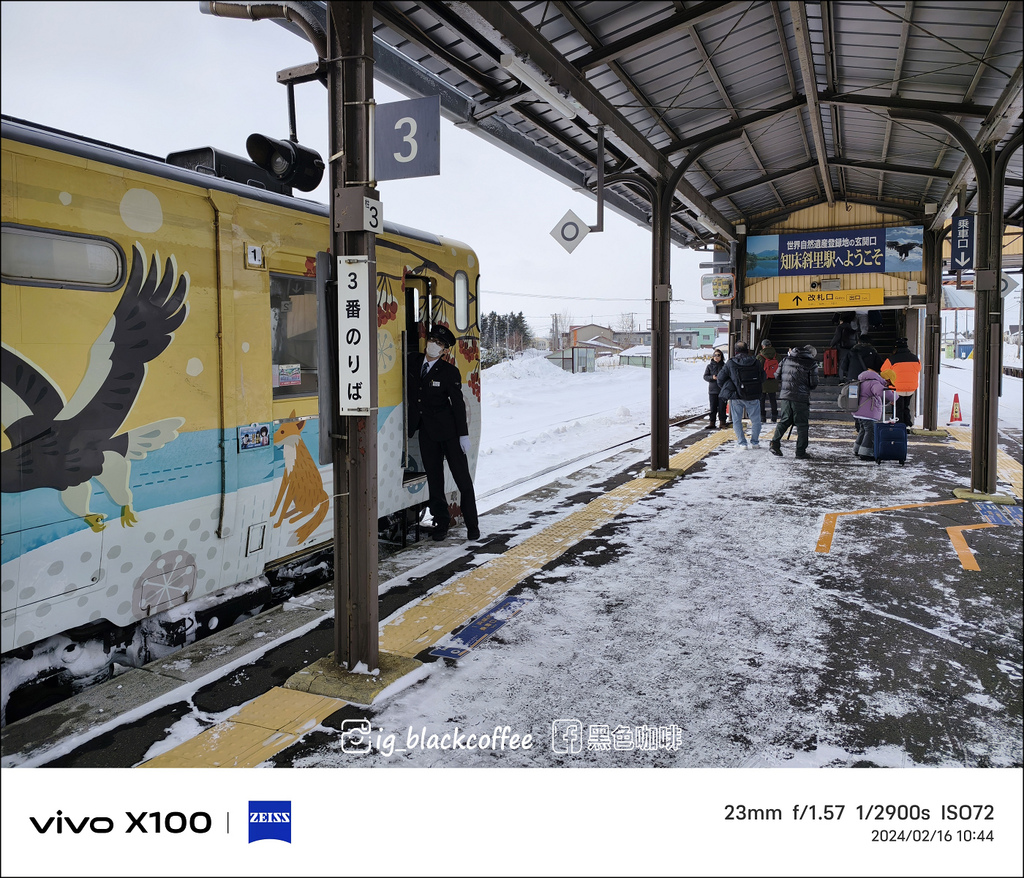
<point>354,336</point>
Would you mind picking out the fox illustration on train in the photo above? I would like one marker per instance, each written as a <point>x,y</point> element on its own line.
<point>179,396</point>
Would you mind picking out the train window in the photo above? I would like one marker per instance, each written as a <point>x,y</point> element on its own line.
<point>293,335</point>
<point>461,301</point>
<point>45,258</point>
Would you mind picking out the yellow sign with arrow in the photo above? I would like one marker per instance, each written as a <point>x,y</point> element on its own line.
<point>832,299</point>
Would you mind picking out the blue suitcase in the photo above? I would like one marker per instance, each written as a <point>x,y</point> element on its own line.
<point>890,442</point>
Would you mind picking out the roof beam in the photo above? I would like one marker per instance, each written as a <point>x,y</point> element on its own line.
<point>651,34</point>
<point>511,28</point>
<point>804,52</point>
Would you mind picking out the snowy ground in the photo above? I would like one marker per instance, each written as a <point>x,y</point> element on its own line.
<point>623,639</point>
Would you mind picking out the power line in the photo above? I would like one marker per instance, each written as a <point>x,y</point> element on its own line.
<point>560,297</point>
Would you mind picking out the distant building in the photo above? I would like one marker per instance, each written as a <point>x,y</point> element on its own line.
<point>690,336</point>
<point>575,359</point>
<point>639,355</point>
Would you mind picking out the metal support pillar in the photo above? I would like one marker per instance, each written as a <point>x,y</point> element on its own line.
<point>932,354</point>
<point>985,402</point>
<point>661,306</point>
<point>350,89</point>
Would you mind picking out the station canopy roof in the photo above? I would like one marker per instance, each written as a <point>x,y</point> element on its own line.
<point>774,106</point>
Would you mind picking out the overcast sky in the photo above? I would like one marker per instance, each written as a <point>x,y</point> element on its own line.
<point>162,77</point>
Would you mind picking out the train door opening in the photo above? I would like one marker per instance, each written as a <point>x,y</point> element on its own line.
<point>419,298</point>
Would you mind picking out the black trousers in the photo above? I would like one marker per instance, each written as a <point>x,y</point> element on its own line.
<point>718,406</point>
<point>905,409</point>
<point>434,454</point>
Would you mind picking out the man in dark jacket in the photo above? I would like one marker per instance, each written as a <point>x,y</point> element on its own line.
<point>863,356</point>
<point>798,375</point>
<point>741,379</point>
<point>844,338</point>
<point>438,411</point>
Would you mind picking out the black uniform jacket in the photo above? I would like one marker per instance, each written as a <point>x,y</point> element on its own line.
<point>436,402</point>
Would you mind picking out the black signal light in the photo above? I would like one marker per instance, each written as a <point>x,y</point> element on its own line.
<point>291,163</point>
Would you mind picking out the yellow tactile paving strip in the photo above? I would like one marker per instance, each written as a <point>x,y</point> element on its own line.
<point>260,729</point>
<point>1009,471</point>
<point>277,719</point>
<point>424,623</point>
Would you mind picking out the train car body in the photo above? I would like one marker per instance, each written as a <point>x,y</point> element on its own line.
<point>160,408</point>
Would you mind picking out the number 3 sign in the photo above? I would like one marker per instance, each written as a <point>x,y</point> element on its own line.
<point>407,139</point>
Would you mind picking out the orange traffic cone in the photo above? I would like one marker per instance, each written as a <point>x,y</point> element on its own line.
<point>955,414</point>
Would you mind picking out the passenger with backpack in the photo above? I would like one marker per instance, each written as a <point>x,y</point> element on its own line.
<point>798,376</point>
<point>741,379</point>
<point>874,394</point>
<point>770,388</point>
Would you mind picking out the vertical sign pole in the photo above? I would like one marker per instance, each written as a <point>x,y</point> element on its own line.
<point>350,90</point>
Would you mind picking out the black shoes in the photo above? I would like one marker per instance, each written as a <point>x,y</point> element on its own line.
<point>472,533</point>
<point>804,456</point>
<point>775,449</point>
<point>438,533</point>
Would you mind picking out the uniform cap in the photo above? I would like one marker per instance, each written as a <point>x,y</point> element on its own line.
<point>442,334</point>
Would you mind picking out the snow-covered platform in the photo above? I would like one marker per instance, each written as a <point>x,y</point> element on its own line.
<point>745,611</point>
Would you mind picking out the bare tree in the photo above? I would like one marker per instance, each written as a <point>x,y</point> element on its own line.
<point>628,328</point>
<point>560,324</point>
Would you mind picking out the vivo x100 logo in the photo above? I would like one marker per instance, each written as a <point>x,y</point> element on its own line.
<point>270,820</point>
<point>144,822</point>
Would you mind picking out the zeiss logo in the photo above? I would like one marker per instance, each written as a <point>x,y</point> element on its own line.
<point>270,820</point>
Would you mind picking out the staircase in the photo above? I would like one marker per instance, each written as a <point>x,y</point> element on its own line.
<point>816,328</point>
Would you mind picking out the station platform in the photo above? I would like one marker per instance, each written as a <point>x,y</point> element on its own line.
<point>822,612</point>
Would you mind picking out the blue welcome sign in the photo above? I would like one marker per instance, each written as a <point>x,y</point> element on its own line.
<point>845,251</point>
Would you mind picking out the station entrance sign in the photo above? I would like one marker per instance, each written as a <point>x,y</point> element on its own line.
<point>833,299</point>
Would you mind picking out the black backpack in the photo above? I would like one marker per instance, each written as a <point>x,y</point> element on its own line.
<point>748,380</point>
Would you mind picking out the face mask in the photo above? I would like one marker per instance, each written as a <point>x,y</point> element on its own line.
<point>434,350</point>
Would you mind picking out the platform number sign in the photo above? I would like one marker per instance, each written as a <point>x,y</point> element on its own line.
<point>407,139</point>
<point>354,335</point>
<point>962,243</point>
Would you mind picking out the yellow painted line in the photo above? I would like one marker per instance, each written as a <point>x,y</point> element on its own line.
<point>260,729</point>
<point>963,551</point>
<point>828,528</point>
<point>421,625</point>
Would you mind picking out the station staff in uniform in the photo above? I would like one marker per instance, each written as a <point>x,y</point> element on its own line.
<point>438,411</point>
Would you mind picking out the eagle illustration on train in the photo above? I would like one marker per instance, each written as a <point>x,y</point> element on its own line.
<point>66,444</point>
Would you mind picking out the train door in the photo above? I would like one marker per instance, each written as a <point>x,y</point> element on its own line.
<point>300,512</point>
<point>419,297</point>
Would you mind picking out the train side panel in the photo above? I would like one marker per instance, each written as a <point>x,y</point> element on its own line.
<point>206,471</point>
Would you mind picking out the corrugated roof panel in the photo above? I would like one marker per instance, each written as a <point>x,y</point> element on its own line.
<point>671,79</point>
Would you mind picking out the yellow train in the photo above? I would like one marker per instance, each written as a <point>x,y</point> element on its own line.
<point>159,378</point>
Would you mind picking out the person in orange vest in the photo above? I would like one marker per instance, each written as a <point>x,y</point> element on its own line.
<point>906,369</point>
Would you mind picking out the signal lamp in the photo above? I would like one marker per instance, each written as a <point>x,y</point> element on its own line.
<point>291,163</point>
